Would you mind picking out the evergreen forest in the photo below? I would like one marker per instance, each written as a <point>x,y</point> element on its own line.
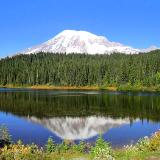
<point>81,69</point>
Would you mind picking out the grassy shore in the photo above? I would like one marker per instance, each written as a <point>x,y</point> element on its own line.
<point>51,87</point>
<point>125,87</point>
<point>147,148</point>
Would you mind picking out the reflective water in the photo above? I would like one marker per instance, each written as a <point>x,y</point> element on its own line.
<point>121,117</point>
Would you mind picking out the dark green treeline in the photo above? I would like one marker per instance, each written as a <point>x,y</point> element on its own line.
<point>81,69</point>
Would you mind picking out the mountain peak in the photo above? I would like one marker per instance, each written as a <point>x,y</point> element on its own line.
<point>72,41</point>
<point>76,32</point>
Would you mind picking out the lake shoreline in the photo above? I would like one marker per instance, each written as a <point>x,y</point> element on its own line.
<point>112,88</point>
<point>145,148</point>
<point>50,87</point>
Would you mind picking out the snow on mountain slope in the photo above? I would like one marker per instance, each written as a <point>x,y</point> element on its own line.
<point>152,48</point>
<point>71,41</point>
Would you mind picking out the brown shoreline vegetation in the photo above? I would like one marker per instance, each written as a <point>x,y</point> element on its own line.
<point>50,87</point>
<point>125,87</point>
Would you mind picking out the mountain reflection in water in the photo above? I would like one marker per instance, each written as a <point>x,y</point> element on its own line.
<point>121,117</point>
<point>79,128</point>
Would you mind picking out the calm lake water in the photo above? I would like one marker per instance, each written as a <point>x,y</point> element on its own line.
<point>121,117</point>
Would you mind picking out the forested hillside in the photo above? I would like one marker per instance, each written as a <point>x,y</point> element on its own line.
<point>81,69</point>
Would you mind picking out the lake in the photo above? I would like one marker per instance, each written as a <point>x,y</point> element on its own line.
<point>121,117</point>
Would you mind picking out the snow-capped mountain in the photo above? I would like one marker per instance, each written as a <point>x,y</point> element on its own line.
<point>71,41</point>
<point>70,128</point>
<point>152,48</point>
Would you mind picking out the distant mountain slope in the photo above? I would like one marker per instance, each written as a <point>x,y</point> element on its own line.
<point>71,41</point>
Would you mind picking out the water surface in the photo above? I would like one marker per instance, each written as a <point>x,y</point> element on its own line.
<point>121,117</point>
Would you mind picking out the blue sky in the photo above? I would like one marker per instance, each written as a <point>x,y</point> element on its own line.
<point>24,23</point>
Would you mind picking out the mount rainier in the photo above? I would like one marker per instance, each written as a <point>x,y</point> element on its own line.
<point>71,41</point>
